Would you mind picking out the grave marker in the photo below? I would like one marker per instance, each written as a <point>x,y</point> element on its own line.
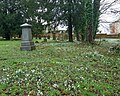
<point>27,43</point>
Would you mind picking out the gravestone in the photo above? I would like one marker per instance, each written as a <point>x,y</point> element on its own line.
<point>54,36</point>
<point>27,43</point>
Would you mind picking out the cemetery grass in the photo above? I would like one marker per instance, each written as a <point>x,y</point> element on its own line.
<point>59,69</point>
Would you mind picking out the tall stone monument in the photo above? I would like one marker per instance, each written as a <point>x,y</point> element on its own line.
<point>27,43</point>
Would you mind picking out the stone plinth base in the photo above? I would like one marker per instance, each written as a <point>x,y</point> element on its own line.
<point>27,45</point>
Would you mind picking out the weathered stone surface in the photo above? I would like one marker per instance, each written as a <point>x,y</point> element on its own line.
<point>27,43</point>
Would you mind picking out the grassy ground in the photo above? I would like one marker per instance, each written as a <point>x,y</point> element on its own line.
<point>59,69</point>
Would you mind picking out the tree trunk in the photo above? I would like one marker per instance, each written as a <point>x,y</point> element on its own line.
<point>82,37</point>
<point>7,36</point>
<point>70,22</point>
<point>19,35</point>
<point>70,29</point>
<point>90,35</point>
<point>96,14</point>
<point>78,36</point>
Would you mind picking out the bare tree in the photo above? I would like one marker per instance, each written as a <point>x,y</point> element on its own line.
<point>107,5</point>
<point>110,8</point>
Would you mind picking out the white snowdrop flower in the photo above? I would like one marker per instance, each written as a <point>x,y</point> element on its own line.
<point>93,71</point>
<point>16,71</point>
<point>39,93</point>
<point>78,85</point>
<point>25,78</point>
<point>16,76</point>
<point>4,69</point>
<point>95,52</point>
<point>19,70</point>
<point>54,73</point>
<point>26,75</point>
<point>55,86</point>
<point>33,71</point>
<point>69,86</point>
<point>86,68</point>
<point>39,80</point>
<point>82,78</point>
<point>38,86</point>
<point>78,69</point>
<point>8,75</point>
<point>65,83</point>
<point>73,87</point>
<point>82,68</point>
<point>24,62</point>
<point>114,73</point>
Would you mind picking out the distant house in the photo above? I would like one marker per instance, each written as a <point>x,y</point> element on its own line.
<point>115,27</point>
<point>114,31</point>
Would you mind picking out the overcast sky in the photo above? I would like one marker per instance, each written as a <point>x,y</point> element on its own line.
<point>108,16</point>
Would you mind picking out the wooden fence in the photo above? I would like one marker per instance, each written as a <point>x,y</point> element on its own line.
<point>107,35</point>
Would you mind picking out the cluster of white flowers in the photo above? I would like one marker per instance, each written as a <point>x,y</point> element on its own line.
<point>82,78</point>
<point>69,84</point>
<point>55,85</point>
<point>33,71</point>
<point>40,93</point>
<point>92,54</point>
<point>18,71</point>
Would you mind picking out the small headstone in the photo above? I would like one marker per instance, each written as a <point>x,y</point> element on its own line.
<point>27,43</point>
<point>54,36</point>
<point>45,39</point>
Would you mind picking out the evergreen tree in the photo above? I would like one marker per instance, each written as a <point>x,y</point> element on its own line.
<point>10,17</point>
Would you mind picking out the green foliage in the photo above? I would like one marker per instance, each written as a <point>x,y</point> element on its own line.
<point>58,69</point>
<point>115,49</point>
<point>80,15</point>
<point>2,88</point>
<point>10,17</point>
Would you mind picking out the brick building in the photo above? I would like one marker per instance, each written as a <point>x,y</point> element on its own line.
<point>115,27</point>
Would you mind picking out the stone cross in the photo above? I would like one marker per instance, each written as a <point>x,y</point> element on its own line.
<point>27,43</point>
